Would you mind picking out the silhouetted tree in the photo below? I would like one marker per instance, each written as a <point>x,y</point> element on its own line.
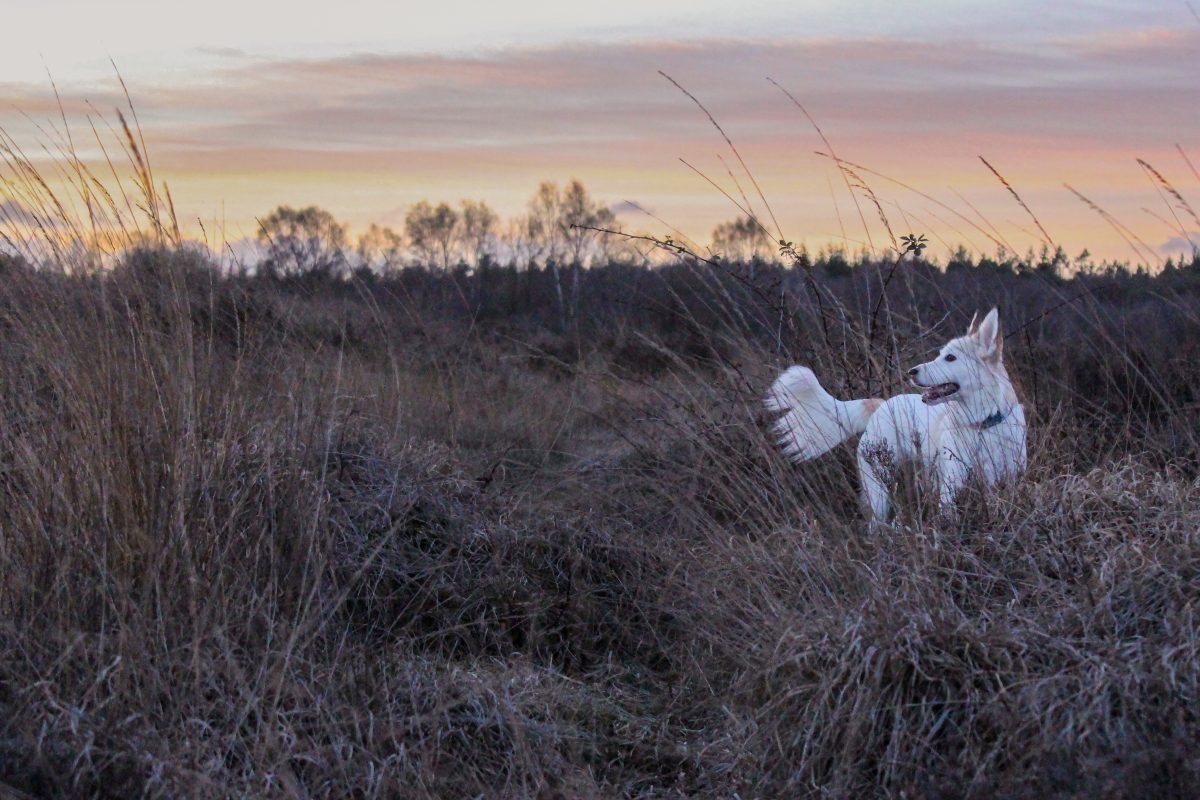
<point>515,240</point>
<point>556,222</point>
<point>432,231</point>
<point>478,228</point>
<point>380,248</point>
<point>541,224</point>
<point>306,241</point>
<point>578,212</point>
<point>740,239</point>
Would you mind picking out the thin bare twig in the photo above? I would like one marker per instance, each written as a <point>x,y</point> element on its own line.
<point>1045,236</point>
<point>836,160</point>
<point>1125,233</point>
<point>671,246</point>
<point>1171,190</point>
<point>919,193</point>
<point>732,149</point>
<point>1188,161</point>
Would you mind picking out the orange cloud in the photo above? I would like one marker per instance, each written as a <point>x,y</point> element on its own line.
<point>367,135</point>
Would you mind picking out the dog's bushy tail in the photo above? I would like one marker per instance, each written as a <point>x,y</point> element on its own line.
<point>815,422</point>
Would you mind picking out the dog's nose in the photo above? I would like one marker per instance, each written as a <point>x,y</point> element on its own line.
<point>912,373</point>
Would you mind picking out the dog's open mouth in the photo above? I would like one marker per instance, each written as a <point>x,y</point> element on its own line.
<point>937,393</point>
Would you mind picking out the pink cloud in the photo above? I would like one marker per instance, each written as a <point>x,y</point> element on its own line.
<point>388,129</point>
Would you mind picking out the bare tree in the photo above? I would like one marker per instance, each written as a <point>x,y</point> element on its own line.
<point>306,241</point>
<point>380,248</point>
<point>432,232</point>
<point>545,236</point>
<point>541,223</point>
<point>578,212</point>
<point>477,229</point>
<point>517,243</point>
<point>740,239</point>
<point>556,222</point>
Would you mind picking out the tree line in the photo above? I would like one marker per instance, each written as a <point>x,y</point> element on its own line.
<point>556,233</point>
<point>551,233</point>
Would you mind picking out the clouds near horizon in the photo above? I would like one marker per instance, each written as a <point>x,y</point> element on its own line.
<point>366,134</point>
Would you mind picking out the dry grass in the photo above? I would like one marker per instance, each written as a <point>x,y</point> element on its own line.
<point>395,538</point>
<point>258,541</point>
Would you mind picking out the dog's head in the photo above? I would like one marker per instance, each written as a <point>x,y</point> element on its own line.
<point>964,364</point>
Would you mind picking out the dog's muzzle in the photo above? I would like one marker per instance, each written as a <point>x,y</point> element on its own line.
<point>932,395</point>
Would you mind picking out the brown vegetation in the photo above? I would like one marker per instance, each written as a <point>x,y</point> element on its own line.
<point>392,537</point>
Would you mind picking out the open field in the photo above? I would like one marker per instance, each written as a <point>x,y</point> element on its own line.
<point>411,537</point>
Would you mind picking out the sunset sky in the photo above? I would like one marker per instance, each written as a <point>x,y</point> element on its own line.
<point>366,107</point>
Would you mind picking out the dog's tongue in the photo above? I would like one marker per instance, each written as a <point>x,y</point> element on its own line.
<point>933,393</point>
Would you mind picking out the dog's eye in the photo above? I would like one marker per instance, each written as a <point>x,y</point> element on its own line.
<point>951,357</point>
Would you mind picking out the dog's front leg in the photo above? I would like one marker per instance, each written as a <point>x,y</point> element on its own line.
<point>875,495</point>
<point>952,477</point>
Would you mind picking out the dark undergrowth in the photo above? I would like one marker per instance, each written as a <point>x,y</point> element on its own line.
<point>410,537</point>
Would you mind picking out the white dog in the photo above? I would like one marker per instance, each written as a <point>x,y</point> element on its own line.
<point>967,423</point>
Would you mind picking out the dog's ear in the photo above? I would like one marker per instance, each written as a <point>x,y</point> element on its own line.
<point>974,326</point>
<point>991,341</point>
